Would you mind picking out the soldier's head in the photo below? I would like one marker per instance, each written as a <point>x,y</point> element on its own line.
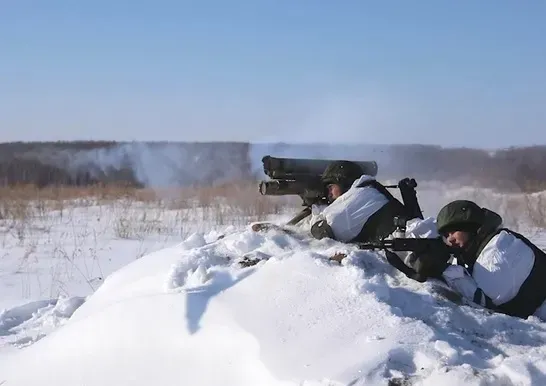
<point>459,222</point>
<point>339,177</point>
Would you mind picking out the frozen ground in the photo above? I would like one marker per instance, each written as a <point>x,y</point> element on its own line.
<point>177,308</point>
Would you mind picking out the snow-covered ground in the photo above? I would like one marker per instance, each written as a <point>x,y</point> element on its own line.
<point>128,293</point>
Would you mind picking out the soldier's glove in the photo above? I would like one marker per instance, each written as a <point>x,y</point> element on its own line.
<point>409,182</point>
<point>397,263</point>
<point>321,229</point>
<point>429,262</point>
<point>432,262</point>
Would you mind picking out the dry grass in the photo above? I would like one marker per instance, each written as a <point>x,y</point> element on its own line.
<point>71,224</point>
<point>535,207</point>
<point>64,193</point>
<point>519,210</point>
<point>138,212</point>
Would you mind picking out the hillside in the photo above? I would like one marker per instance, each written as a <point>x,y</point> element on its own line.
<point>116,286</point>
<point>191,314</point>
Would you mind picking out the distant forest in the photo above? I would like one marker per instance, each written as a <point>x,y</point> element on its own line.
<point>81,163</point>
<point>27,163</point>
<point>515,168</point>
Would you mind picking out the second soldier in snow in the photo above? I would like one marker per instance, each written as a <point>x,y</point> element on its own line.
<point>360,208</point>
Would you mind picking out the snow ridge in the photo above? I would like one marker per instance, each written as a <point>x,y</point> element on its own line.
<point>192,314</point>
<point>26,324</point>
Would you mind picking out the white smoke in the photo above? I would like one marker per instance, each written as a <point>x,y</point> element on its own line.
<point>156,164</point>
<point>182,163</point>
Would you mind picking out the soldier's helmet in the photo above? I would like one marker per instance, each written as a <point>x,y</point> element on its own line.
<point>343,173</point>
<point>460,215</point>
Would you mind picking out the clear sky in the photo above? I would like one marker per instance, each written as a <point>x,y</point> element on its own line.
<point>464,72</point>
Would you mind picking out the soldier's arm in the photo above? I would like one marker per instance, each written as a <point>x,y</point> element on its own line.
<point>458,278</point>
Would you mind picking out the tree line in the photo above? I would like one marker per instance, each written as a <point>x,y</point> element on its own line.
<point>515,168</point>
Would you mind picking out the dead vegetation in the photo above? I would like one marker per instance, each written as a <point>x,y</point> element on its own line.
<point>139,212</point>
<point>519,210</point>
<point>73,225</point>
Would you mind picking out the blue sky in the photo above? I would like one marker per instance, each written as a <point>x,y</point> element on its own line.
<point>452,73</point>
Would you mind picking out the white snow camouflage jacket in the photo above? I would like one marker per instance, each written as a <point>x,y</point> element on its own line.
<point>347,215</point>
<point>499,271</point>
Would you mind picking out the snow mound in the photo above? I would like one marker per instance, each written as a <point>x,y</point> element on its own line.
<point>191,314</point>
<point>28,323</point>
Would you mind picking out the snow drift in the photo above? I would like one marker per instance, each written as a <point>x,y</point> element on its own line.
<point>192,315</point>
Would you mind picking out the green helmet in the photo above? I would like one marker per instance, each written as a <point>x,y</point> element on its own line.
<point>343,173</point>
<point>460,215</point>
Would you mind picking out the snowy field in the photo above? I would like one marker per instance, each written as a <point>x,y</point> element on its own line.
<point>125,291</point>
